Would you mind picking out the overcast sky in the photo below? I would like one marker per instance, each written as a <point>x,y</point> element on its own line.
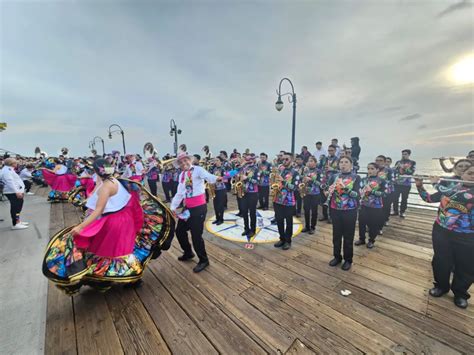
<point>376,69</point>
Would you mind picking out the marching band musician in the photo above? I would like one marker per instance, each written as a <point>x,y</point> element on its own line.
<point>220,200</point>
<point>371,214</point>
<point>299,167</point>
<point>152,175</point>
<point>343,195</point>
<point>311,177</point>
<point>453,237</point>
<point>385,173</point>
<point>167,181</point>
<point>250,177</point>
<point>459,168</point>
<point>237,166</point>
<point>330,168</point>
<point>191,190</point>
<point>264,168</point>
<point>284,201</point>
<point>405,166</point>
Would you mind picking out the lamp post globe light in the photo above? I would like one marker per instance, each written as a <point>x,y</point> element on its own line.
<point>279,106</point>
<point>119,130</point>
<point>174,131</point>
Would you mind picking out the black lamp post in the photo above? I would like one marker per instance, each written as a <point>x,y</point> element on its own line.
<point>102,141</point>
<point>279,107</point>
<point>174,131</point>
<point>120,130</point>
<point>91,145</point>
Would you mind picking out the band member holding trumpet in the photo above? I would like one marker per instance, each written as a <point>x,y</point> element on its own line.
<point>371,214</point>
<point>299,167</point>
<point>250,177</point>
<point>191,190</point>
<point>311,181</point>
<point>405,166</point>
<point>343,192</point>
<point>453,237</point>
<point>284,200</point>
<point>264,167</point>
<point>220,198</point>
<point>330,168</point>
<point>386,174</point>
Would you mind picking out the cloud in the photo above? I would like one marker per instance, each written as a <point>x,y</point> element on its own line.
<point>423,126</point>
<point>205,114</point>
<point>464,4</point>
<point>415,116</point>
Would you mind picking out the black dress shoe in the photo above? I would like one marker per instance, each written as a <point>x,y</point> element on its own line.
<point>306,230</point>
<point>437,292</point>
<point>215,222</point>
<point>335,262</point>
<point>273,221</point>
<point>370,244</point>
<point>286,246</point>
<point>185,257</point>
<point>245,233</point>
<point>298,215</point>
<point>323,219</point>
<point>201,266</point>
<point>460,302</point>
<point>251,234</point>
<point>279,244</point>
<point>311,231</point>
<point>219,223</point>
<point>347,265</point>
<point>359,242</point>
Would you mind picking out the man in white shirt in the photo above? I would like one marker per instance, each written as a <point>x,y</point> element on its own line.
<point>191,191</point>
<point>25,176</point>
<point>335,142</point>
<point>14,190</point>
<point>320,151</point>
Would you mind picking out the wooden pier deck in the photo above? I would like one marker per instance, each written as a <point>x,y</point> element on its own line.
<point>269,301</point>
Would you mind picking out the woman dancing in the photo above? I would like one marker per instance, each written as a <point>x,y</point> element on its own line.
<point>115,242</point>
<point>60,181</point>
<point>453,237</point>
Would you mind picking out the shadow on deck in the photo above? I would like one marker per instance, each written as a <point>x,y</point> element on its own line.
<point>269,301</point>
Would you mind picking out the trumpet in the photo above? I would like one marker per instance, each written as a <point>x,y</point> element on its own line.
<point>421,177</point>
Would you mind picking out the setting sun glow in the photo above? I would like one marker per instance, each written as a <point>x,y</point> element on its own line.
<point>462,72</point>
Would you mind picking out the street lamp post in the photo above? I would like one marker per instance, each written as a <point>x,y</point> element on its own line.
<point>174,131</point>
<point>120,130</point>
<point>279,107</point>
<point>102,141</point>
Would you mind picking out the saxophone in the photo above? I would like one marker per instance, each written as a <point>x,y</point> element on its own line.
<point>302,188</point>
<point>274,183</point>
<point>211,189</point>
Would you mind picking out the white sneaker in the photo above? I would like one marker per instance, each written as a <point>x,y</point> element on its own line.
<point>24,223</point>
<point>30,193</point>
<point>19,226</point>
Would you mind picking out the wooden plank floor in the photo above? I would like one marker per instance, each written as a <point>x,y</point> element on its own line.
<point>269,301</point>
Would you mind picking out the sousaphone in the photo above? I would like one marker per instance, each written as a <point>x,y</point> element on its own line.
<point>149,151</point>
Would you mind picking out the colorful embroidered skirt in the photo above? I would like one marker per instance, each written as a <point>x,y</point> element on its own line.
<point>60,185</point>
<point>69,267</point>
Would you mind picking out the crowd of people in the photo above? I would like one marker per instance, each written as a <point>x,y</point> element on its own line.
<point>325,180</point>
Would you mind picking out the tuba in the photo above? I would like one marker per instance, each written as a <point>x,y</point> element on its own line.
<point>64,151</point>
<point>149,151</point>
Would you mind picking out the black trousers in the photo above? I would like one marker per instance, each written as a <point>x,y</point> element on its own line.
<point>343,227</point>
<point>249,207</point>
<point>16,205</point>
<point>219,203</point>
<point>371,218</point>
<point>239,204</point>
<point>387,205</point>
<point>404,191</point>
<point>167,189</point>
<point>174,188</point>
<point>28,184</point>
<point>284,214</point>
<point>195,224</point>
<point>263,195</point>
<point>325,208</point>
<point>152,185</point>
<point>311,203</point>
<point>299,202</point>
<point>453,250</point>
